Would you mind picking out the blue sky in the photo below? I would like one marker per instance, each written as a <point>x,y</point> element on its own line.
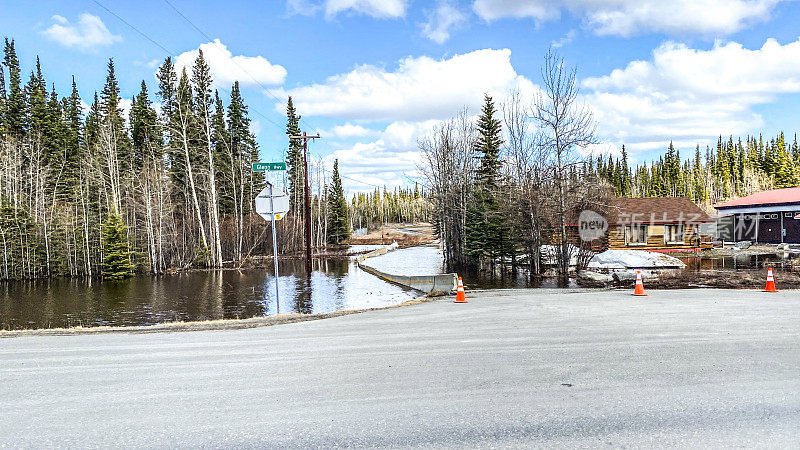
<point>372,76</point>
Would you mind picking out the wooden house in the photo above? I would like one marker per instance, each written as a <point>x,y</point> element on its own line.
<point>658,223</point>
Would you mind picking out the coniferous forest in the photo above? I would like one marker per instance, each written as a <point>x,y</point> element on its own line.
<point>87,191</point>
<point>92,192</point>
<point>734,168</point>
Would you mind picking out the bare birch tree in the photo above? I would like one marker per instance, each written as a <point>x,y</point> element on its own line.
<point>565,125</point>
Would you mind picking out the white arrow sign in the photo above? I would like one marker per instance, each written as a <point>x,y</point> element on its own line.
<point>279,204</point>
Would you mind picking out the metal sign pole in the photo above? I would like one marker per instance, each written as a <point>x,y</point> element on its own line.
<point>274,249</point>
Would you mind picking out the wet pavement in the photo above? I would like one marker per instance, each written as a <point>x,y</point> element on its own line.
<point>511,368</point>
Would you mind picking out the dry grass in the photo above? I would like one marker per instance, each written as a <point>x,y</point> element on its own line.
<point>423,234</point>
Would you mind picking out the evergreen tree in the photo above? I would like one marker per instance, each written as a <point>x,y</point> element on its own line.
<point>626,174</point>
<point>112,118</point>
<point>294,158</point>
<point>3,100</point>
<point>224,160</point>
<point>338,213</point>
<point>144,129</point>
<point>486,235</point>
<point>72,142</point>
<point>244,146</point>
<point>15,105</point>
<point>117,259</point>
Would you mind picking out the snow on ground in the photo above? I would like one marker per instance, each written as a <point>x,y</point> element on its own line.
<point>633,259</point>
<point>422,260</point>
<point>363,248</point>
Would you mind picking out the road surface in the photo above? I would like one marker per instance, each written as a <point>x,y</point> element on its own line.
<point>711,368</point>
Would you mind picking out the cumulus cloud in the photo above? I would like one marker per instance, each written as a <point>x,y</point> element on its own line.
<point>566,39</point>
<point>381,9</point>
<point>442,21</point>
<point>348,130</point>
<point>227,68</point>
<point>385,9</point>
<point>420,88</point>
<point>691,95</point>
<point>391,158</point>
<point>88,34</point>
<point>627,17</point>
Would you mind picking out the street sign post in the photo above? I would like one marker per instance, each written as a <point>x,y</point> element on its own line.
<point>268,166</point>
<point>272,204</point>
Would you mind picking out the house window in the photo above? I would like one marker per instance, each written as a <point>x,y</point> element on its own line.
<point>673,234</point>
<point>636,234</point>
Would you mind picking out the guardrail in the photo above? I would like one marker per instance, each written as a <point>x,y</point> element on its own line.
<point>433,285</point>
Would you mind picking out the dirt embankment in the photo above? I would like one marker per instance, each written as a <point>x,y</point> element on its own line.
<point>724,279</point>
<point>406,235</point>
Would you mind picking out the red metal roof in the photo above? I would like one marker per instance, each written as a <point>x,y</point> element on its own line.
<point>774,196</point>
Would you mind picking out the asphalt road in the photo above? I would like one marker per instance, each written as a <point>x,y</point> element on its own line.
<point>711,368</point>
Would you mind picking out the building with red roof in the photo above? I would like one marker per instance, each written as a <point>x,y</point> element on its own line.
<point>769,217</point>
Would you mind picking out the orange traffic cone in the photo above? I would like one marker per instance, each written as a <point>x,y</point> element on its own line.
<point>460,297</point>
<point>639,290</point>
<point>770,282</point>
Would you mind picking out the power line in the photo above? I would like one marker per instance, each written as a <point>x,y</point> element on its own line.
<point>170,53</point>
<point>255,80</point>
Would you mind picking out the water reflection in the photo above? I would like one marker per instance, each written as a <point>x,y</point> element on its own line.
<point>737,262</point>
<point>335,284</point>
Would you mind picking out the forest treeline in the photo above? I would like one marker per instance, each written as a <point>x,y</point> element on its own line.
<point>93,192</point>
<point>734,168</point>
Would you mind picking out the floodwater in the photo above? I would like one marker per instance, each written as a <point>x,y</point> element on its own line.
<point>429,260</point>
<point>738,262</point>
<point>335,284</point>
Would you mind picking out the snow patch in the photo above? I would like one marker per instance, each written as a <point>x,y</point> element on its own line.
<point>613,260</point>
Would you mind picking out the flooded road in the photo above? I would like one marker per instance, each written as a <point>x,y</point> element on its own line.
<point>429,260</point>
<point>203,295</point>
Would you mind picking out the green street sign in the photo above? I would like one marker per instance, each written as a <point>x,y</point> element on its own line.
<point>268,167</point>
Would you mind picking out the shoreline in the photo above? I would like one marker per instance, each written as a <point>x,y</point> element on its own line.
<point>203,325</point>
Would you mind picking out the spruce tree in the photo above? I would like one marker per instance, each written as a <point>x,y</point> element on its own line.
<point>144,129</point>
<point>486,236</point>
<point>15,105</point>
<point>626,174</point>
<point>112,118</point>
<point>72,143</point>
<point>294,158</point>
<point>3,100</point>
<point>338,212</point>
<point>117,254</point>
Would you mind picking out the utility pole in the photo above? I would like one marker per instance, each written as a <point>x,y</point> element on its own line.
<point>307,200</point>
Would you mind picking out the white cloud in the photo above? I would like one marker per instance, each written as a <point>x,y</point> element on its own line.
<point>152,64</point>
<point>381,9</point>
<point>420,88</point>
<point>442,21</point>
<point>385,9</point>
<point>126,104</point>
<point>88,34</point>
<point>347,131</point>
<point>227,68</point>
<point>627,17</point>
<point>569,37</point>
<point>689,95</point>
<point>389,160</point>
